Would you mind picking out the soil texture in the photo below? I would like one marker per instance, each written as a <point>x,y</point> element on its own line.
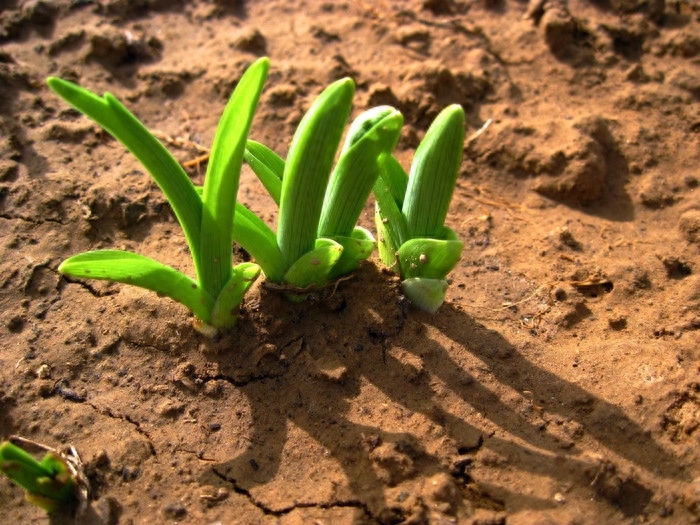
<point>559,383</point>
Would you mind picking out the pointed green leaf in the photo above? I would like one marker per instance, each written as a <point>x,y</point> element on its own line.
<point>314,267</point>
<point>434,174</point>
<point>267,166</point>
<point>131,268</point>
<point>308,167</point>
<point>426,294</point>
<point>371,139</point>
<point>356,248</point>
<point>225,311</point>
<point>109,113</point>
<point>223,174</point>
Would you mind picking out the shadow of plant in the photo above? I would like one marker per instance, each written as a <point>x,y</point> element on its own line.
<point>379,403</point>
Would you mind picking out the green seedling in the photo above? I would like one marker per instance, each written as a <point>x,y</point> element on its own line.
<point>317,240</point>
<point>411,211</point>
<point>206,216</point>
<point>54,483</point>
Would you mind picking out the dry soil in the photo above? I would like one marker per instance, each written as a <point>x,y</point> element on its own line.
<point>560,382</point>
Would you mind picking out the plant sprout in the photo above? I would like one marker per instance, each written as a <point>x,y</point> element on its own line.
<point>206,216</point>
<point>411,211</point>
<point>317,240</point>
<point>53,483</point>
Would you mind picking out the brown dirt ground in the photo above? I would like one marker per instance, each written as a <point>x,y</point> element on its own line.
<point>560,383</point>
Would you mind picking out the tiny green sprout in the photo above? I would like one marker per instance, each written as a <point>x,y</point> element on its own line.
<point>317,240</point>
<point>54,483</point>
<point>206,215</point>
<point>411,212</point>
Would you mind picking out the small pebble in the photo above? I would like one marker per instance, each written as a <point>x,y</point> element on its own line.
<point>44,372</point>
<point>174,511</point>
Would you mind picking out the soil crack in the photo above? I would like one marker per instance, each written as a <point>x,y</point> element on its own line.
<point>87,286</point>
<point>109,413</point>
<point>356,504</point>
<point>239,383</point>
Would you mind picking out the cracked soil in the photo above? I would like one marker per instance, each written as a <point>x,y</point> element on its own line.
<point>560,382</point>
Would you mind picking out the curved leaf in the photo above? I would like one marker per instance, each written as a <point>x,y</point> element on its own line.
<point>426,294</point>
<point>223,174</point>
<point>434,173</point>
<point>386,238</point>
<point>109,113</point>
<point>225,311</point>
<point>356,248</point>
<point>259,241</point>
<point>314,267</point>
<point>48,483</point>
<point>389,190</point>
<point>371,139</point>
<point>429,258</point>
<point>308,168</point>
<point>131,268</point>
<point>267,166</point>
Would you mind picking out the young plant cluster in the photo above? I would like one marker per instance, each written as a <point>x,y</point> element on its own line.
<point>55,483</point>
<point>317,240</point>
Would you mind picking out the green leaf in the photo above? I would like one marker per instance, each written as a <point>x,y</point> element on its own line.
<point>314,266</point>
<point>356,248</point>
<point>267,166</point>
<point>396,180</point>
<point>429,258</point>
<point>109,113</point>
<point>386,237</point>
<point>260,242</point>
<point>389,192</point>
<point>22,467</point>
<point>434,174</point>
<point>426,294</point>
<point>49,483</point>
<point>308,167</point>
<point>371,139</point>
<point>131,268</point>
<point>222,178</point>
<point>225,311</point>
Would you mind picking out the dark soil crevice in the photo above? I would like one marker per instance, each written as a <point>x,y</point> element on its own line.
<point>281,512</point>
<point>123,417</point>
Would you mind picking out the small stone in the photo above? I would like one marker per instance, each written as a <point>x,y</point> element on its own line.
<point>174,511</point>
<point>169,408</point>
<point>335,374</point>
<point>617,322</point>
<point>44,372</point>
<point>689,225</point>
